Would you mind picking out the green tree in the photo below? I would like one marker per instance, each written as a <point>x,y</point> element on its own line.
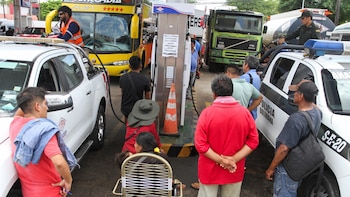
<point>288,5</point>
<point>3,3</point>
<point>267,7</point>
<point>47,7</point>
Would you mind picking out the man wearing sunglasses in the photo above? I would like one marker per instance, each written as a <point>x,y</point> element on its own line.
<point>306,31</point>
<point>70,29</point>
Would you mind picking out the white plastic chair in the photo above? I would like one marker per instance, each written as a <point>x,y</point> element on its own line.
<point>146,174</point>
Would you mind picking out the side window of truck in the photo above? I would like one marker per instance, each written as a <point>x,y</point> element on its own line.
<point>48,77</point>
<point>302,72</point>
<point>72,70</point>
<point>280,72</point>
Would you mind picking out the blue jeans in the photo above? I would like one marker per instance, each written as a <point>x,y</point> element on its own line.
<point>283,185</point>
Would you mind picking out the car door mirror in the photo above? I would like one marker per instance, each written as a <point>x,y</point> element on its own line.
<point>57,102</point>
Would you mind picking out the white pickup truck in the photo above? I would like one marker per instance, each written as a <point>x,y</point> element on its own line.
<point>327,63</point>
<point>77,95</point>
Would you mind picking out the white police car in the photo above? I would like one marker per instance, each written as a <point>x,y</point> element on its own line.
<point>327,63</point>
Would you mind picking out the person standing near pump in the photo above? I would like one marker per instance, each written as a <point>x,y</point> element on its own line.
<point>41,158</point>
<point>198,47</point>
<point>306,31</point>
<point>70,29</point>
<point>134,85</point>
<point>250,75</point>
<point>225,135</point>
<point>295,129</point>
<point>194,64</point>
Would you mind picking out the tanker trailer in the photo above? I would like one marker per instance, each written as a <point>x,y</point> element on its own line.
<point>287,22</point>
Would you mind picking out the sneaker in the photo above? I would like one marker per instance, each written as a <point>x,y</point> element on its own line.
<point>195,186</point>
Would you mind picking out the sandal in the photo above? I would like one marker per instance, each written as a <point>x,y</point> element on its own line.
<point>195,186</point>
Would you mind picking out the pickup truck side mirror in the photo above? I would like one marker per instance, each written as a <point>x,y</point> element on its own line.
<point>58,101</point>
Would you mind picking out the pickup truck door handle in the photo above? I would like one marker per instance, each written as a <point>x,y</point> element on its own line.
<point>71,109</point>
<point>89,92</point>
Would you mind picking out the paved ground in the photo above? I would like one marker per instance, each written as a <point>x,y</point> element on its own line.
<point>98,172</point>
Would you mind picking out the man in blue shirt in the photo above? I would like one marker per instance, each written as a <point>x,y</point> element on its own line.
<point>249,68</point>
<point>194,64</point>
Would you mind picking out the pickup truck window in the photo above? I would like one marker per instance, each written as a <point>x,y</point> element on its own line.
<point>13,77</point>
<point>72,70</point>
<point>303,72</point>
<point>48,77</point>
<point>280,72</point>
<point>337,90</point>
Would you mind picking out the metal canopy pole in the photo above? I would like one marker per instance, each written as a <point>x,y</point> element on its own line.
<point>17,15</point>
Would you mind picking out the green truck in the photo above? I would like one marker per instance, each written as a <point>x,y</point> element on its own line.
<point>231,35</point>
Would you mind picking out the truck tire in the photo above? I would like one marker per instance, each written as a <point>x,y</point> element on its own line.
<point>15,190</point>
<point>98,134</point>
<point>212,67</point>
<point>328,187</point>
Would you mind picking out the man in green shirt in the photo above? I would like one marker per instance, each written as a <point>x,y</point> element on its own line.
<point>242,90</point>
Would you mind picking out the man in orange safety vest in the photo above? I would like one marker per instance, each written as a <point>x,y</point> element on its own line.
<point>70,29</point>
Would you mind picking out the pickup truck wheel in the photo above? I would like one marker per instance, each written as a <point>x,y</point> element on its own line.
<point>328,187</point>
<point>98,134</point>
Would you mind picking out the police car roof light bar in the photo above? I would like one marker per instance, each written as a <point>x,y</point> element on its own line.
<point>316,48</point>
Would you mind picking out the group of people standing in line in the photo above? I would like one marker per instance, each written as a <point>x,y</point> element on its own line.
<point>225,133</point>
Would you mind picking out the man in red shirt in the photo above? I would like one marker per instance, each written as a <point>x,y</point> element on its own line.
<point>225,135</point>
<point>45,172</point>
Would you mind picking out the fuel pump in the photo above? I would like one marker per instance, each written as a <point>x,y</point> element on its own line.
<point>171,56</point>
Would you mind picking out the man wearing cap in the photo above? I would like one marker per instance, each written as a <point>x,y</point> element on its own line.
<point>70,29</point>
<point>141,119</point>
<point>295,129</point>
<point>306,31</point>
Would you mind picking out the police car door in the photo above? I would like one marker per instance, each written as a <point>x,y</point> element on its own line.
<point>275,107</point>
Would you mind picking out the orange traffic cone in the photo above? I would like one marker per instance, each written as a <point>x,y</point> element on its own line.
<point>170,121</point>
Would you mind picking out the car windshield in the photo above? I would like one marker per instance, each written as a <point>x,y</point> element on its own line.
<point>13,77</point>
<point>336,85</point>
<point>239,24</point>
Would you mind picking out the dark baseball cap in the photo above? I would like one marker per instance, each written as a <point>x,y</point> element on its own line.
<point>306,13</point>
<point>305,87</point>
